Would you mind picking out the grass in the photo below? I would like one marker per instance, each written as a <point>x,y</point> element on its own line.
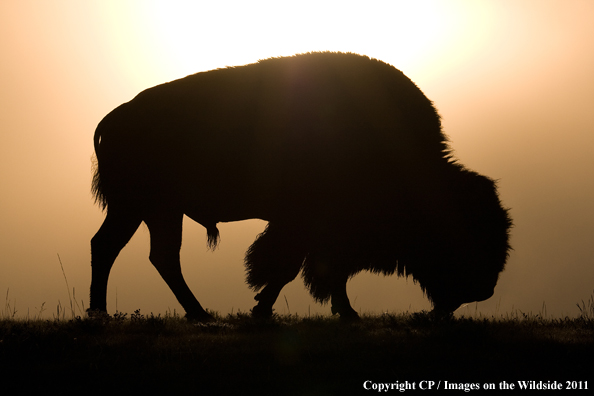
<point>290,354</point>
<point>287,355</point>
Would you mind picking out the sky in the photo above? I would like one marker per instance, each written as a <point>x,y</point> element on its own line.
<point>512,79</point>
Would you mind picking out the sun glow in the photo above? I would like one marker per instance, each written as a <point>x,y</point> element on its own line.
<point>177,38</point>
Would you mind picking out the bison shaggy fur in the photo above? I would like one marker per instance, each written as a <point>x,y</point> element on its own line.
<point>343,155</point>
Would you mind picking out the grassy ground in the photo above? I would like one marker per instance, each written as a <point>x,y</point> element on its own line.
<point>289,355</point>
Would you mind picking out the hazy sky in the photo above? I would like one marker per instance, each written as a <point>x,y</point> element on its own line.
<point>513,81</point>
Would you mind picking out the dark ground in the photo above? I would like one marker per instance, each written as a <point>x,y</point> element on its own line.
<point>289,355</point>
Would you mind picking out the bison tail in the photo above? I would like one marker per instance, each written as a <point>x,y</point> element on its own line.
<point>212,237</point>
<point>97,184</point>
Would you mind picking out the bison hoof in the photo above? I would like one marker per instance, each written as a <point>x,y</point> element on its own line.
<point>261,312</point>
<point>201,317</point>
<point>349,317</point>
<point>99,314</point>
<point>441,315</point>
<point>346,315</point>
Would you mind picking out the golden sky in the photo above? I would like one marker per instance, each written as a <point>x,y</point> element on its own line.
<point>512,79</point>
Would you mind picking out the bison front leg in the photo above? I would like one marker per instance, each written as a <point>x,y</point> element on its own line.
<point>266,299</point>
<point>287,272</point>
<point>340,301</point>
<point>273,260</point>
<point>115,232</point>
<point>166,237</point>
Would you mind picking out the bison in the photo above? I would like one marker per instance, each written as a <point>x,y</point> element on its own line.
<point>343,155</point>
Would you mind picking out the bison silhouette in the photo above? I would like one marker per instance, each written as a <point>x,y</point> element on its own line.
<point>343,155</point>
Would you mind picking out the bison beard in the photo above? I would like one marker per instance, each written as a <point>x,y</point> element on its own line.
<point>343,155</point>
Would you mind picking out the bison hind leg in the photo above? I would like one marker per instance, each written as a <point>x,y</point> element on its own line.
<point>118,228</point>
<point>166,236</point>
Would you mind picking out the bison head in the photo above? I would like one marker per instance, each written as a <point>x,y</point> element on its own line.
<point>462,243</point>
